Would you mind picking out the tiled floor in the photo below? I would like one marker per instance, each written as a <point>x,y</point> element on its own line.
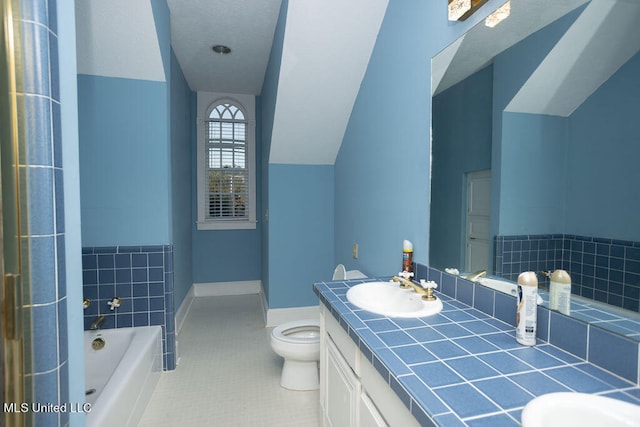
<point>228,375</point>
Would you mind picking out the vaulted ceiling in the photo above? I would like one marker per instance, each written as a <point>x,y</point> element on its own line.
<point>326,50</point>
<point>603,38</point>
<point>327,46</point>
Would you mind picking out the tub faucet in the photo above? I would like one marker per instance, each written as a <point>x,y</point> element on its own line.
<point>475,277</point>
<point>97,323</point>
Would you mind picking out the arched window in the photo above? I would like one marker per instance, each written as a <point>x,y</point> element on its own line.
<point>227,171</point>
<point>226,186</point>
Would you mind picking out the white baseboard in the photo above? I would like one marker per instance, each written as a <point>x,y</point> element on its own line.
<point>272,317</point>
<point>183,310</point>
<point>264,304</point>
<point>213,289</point>
<point>226,288</point>
<point>278,316</point>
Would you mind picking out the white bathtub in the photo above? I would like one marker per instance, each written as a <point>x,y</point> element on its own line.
<point>504,286</point>
<point>120,377</point>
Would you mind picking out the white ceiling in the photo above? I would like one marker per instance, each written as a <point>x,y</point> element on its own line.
<point>117,38</point>
<point>604,37</point>
<point>327,46</point>
<point>481,44</point>
<point>246,26</point>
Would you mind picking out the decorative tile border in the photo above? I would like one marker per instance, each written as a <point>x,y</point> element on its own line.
<point>604,270</point>
<point>142,277</point>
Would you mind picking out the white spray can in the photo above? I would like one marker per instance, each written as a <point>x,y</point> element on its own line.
<point>560,292</point>
<point>526,310</point>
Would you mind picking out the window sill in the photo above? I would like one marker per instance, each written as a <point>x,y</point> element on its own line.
<point>226,225</point>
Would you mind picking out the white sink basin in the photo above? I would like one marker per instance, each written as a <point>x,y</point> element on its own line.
<point>389,299</point>
<point>579,409</point>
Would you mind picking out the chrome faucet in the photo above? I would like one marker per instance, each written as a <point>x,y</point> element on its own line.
<point>97,323</point>
<point>475,277</point>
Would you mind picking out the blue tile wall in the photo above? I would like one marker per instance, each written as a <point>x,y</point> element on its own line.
<point>608,349</point>
<point>604,270</point>
<point>142,277</point>
<point>42,208</point>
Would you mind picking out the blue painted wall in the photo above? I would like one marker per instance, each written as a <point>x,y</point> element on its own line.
<point>533,173</point>
<point>511,69</point>
<point>461,143</point>
<point>301,231</point>
<point>124,161</point>
<point>226,255</point>
<point>519,146</point>
<point>382,187</point>
<point>581,178</point>
<point>181,167</point>
<point>602,195</point>
<point>265,106</point>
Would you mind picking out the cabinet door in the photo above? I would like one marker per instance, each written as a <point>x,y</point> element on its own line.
<point>369,415</point>
<point>343,389</point>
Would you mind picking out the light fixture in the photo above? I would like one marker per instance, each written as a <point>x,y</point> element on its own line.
<point>459,10</point>
<point>221,49</point>
<point>499,15</point>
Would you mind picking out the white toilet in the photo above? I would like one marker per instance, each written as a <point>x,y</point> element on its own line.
<point>299,343</point>
<point>341,273</point>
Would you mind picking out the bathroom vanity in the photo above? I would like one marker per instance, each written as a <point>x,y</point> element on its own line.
<point>352,392</point>
<point>458,367</point>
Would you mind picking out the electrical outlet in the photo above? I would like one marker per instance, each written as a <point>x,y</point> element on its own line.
<point>355,251</point>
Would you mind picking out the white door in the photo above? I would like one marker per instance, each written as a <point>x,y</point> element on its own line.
<point>478,211</point>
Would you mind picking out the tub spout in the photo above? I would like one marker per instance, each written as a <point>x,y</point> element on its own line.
<point>97,323</point>
<point>475,277</point>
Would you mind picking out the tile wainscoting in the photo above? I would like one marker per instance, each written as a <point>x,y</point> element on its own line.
<point>604,270</point>
<point>142,277</point>
<point>608,349</point>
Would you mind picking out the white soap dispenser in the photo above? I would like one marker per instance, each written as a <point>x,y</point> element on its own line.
<point>527,308</point>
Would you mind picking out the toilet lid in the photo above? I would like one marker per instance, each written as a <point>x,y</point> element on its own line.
<point>302,331</point>
<point>340,273</point>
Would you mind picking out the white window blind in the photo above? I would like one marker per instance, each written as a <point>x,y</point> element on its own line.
<point>226,163</point>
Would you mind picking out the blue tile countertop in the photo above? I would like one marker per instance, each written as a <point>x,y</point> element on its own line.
<point>462,366</point>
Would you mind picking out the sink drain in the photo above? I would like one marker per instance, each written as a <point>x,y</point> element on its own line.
<point>90,392</point>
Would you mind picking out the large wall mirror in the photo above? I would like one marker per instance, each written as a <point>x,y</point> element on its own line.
<point>536,148</point>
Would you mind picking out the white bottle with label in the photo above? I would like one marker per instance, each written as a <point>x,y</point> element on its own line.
<point>527,308</point>
<point>560,292</point>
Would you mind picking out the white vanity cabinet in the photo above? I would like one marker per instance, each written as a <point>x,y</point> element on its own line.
<point>343,389</point>
<point>352,392</point>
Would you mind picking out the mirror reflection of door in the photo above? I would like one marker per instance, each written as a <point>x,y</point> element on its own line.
<point>478,213</point>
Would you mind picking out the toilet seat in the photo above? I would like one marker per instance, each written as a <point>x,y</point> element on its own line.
<point>298,342</point>
<point>298,332</point>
